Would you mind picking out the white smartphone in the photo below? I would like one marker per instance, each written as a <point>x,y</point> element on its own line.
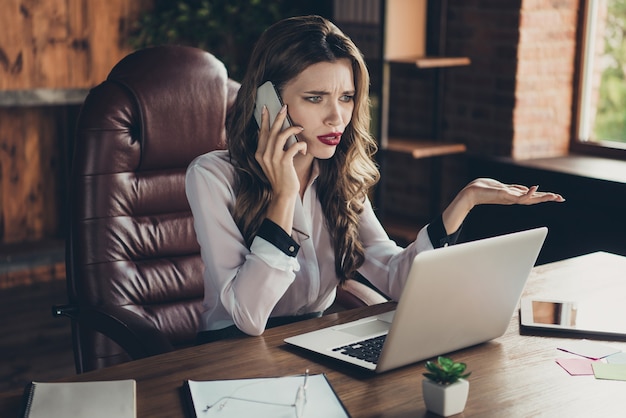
<point>590,315</point>
<point>267,95</point>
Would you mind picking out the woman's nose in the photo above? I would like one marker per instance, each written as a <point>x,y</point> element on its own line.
<point>333,117</point>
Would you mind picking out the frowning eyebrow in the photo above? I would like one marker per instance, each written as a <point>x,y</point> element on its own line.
<point>325,93</point>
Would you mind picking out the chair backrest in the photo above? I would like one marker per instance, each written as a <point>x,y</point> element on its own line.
<point>131,238</point>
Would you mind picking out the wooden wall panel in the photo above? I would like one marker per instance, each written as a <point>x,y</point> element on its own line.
<point>63,43</point>
<point>31,177</point>
<point>49,44</point>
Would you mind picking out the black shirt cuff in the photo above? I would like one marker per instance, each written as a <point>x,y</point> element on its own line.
<point>277,236</point>
<point>438,235</point>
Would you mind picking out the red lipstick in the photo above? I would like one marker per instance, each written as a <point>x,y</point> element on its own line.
<point>332,138</point>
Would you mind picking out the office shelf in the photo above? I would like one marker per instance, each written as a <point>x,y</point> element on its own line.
<point>434,147</point>
<point>442,62</point>
<point>423,148</point>
<point>433,61</point>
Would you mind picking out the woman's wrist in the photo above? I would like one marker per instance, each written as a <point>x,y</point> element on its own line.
<point>456,212</point>
<point>281,211</point>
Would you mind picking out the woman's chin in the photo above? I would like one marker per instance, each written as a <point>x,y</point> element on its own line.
<point>326,154</point>
<point>323,152</point>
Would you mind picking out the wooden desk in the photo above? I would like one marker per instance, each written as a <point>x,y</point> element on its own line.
<point>512,376</point>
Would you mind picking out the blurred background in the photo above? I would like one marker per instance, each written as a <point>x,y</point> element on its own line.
<point>529,92</point>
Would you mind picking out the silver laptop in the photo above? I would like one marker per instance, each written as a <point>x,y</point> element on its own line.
<point>454,297</point>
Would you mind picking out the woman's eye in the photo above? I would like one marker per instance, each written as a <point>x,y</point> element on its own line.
<point>314,99</point>
<point>347,98</point>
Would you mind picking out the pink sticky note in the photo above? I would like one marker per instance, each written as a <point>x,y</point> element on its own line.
<point>576,366</point>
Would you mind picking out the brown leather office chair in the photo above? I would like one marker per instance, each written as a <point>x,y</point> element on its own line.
<point>134,272</point>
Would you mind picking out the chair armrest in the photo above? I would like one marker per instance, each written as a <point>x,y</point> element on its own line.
<point>354,294</point>
<point>135,334</point>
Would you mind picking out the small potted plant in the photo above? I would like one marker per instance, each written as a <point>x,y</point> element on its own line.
<point>445,388</point>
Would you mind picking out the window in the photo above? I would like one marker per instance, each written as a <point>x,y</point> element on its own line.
<point>602,98</point>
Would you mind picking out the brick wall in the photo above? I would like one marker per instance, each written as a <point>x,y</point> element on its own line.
<point>515,99</point>
<point>545,78</point>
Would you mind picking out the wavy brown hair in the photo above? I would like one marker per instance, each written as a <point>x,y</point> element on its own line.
<point>281,53</point>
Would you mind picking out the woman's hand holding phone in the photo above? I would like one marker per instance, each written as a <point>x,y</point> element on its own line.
<point>277,137</point>
<point>267,96</point>
<point>278,166</point>
<point>276,162</point>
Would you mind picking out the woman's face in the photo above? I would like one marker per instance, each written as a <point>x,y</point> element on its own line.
<point>321,100</point>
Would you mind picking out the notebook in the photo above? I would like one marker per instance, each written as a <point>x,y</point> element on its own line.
<point>454,297</point>
<point>96,399</point>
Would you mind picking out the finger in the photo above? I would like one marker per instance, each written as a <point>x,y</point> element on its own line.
<point>540,197</point>
<point>525,189</point>
<point>263,130</point>
<point>283,136</point>
<point>298,147</point>
<point>278,121</point>
<point>514,192</point>
<point>521,188</point>
<point>550,196</point>
<point>289,132</point>
<point>532,190</point>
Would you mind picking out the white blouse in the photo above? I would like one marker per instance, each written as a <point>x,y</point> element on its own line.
<point>245,286</point>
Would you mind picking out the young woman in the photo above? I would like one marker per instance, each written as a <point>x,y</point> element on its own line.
<point>280,228</point>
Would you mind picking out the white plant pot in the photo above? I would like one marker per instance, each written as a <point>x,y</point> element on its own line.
<point>445,400</point>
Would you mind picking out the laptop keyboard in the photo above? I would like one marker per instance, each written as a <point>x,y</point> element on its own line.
<point>367,350</point>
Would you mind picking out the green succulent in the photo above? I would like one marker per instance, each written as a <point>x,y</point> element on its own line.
<point>445,371</point>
